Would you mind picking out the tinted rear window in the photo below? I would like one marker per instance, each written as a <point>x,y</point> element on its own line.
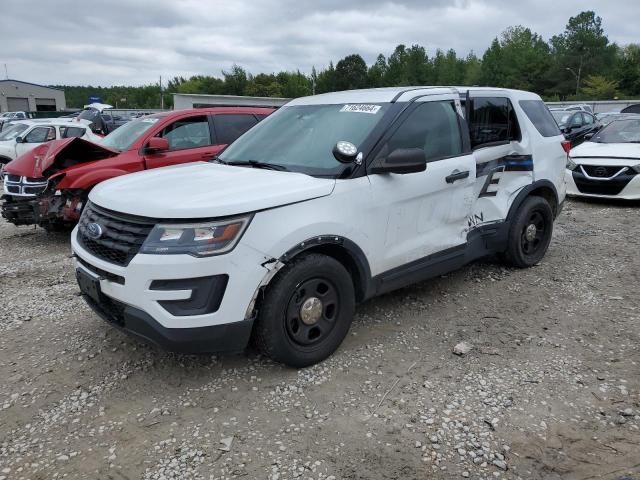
<point>541,117</point>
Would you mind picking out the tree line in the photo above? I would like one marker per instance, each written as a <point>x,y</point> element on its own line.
<point>578,64</point>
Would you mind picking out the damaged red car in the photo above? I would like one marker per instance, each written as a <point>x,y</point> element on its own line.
<point>49,185</point>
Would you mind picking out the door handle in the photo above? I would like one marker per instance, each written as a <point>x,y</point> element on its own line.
<point>456,175</point>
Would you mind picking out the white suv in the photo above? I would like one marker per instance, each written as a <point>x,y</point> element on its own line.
<point>330,201</point>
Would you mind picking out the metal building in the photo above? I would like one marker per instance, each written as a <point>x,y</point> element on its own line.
<point>196,100</point>
<point>18,96</point>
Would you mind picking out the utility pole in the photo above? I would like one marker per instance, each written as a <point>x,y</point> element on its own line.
<point>161,95</point>
<point>6,72</point>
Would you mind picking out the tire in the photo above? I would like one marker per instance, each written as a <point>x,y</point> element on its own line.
<point>3,163</point>
<point>306,311</point>
<point>530,233</point>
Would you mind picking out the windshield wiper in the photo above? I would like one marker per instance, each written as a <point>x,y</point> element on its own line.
<point>256,164</point>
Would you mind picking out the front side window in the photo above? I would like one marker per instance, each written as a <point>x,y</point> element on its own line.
<point>576,121</point>
<point>302,137</point>
<point>41,135</point>
<point>541,117</point>
<point>189,132</point>
<point>231,127</point>
<point>587,119</point>
<point>432,127</point>
<point>492,120</point>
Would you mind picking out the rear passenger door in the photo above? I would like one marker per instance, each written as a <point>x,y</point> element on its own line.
<point>229,127</point>
<point>503,165</point>
<point>425,213</point>
<point>190,140</point>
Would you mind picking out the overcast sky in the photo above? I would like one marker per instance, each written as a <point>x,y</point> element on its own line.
<point>133,42</point>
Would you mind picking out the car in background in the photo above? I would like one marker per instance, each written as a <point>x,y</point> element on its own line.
<point>8,117</point>
<point>607,117</point>
<point>24,135</point>
<point>49,185</point>
<point>575,108</point>
<point>608,164</point>
<point>635,108</point>
<point>102,119</point>
<point>575,125</point>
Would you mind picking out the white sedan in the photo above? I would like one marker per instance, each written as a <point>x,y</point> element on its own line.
<point>24,135</point>
<point>608,165</point>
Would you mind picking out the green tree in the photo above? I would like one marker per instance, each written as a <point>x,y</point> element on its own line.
<point>326,81</point>
<point>628,70</point>
<point>597,87</point>
<point>377,72</point>
<point>581,50</point>
<point>351,72</point>
<point>235,81</point>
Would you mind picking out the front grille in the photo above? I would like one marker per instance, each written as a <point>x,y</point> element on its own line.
<point>601,171</point>
<point>121,238</point>
<point>602,187</point>
<point>13,178</point>
<point>24,186</point>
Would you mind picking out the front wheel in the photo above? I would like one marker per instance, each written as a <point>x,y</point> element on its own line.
<point>306,312</point>
<point>530,233</point>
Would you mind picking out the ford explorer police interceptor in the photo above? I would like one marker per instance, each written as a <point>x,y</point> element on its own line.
<point>331,200</point>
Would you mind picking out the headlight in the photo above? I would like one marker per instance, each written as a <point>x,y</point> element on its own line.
<point>197,239</point>
<point>571,165</point>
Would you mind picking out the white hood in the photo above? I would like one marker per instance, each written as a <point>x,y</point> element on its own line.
<point>612,153</point>
<point>206,190</point>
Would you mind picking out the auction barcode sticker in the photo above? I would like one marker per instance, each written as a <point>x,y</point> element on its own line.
<point>361,108</point>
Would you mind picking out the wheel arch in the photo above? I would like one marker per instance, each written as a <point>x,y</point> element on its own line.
<point>540,188</point>
<point>345,251</point>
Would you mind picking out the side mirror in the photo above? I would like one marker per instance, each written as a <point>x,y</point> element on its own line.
<point>402,160</point>
<point>157,145</point>
<point>19,140</point>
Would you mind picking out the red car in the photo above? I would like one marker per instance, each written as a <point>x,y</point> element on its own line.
<point>48,186</point>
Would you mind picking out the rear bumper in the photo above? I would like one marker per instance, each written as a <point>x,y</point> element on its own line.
<point>231,337</point>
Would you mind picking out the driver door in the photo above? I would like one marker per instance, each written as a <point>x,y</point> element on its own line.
<point>35,137</point>
<point>190,140</point>
<point>425,213</point>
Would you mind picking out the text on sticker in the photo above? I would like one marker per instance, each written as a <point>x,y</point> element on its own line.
<point>373,109</point>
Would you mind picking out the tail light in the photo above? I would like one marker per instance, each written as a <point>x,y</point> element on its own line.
<point>566,146</point>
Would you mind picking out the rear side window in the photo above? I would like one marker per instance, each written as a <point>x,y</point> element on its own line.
<point>541,117</point>
<point>492,120</point>
<point>433,127</point>
<point>68,132</point>
<point>230,127</point>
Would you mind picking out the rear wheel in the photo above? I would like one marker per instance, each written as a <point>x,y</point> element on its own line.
<point>306,312</point>
<point>530,233</point>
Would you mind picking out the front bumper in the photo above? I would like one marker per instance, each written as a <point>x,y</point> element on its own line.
<point>629,190</point>
<point>127,299</point>
<point>232,337</point>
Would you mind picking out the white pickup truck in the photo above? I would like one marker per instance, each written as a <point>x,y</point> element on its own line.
<point>330,201</point>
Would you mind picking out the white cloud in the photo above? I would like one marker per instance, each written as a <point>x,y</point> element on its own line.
<point>123,42</point>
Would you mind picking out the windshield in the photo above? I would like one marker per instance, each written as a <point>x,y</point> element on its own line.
<point>619,131</point>
<point>301,138</point>
<point>122,138</point>
<point>12,131</point>
<point>562,117</point>
<point>89,114</point>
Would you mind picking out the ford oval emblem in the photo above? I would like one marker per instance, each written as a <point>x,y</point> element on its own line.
<point>94,231</point>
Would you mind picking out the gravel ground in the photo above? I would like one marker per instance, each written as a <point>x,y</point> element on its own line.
<point>549,389</point>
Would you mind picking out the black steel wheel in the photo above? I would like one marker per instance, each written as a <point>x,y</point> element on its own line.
<point>530,233</point>
<point>306,312</point>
